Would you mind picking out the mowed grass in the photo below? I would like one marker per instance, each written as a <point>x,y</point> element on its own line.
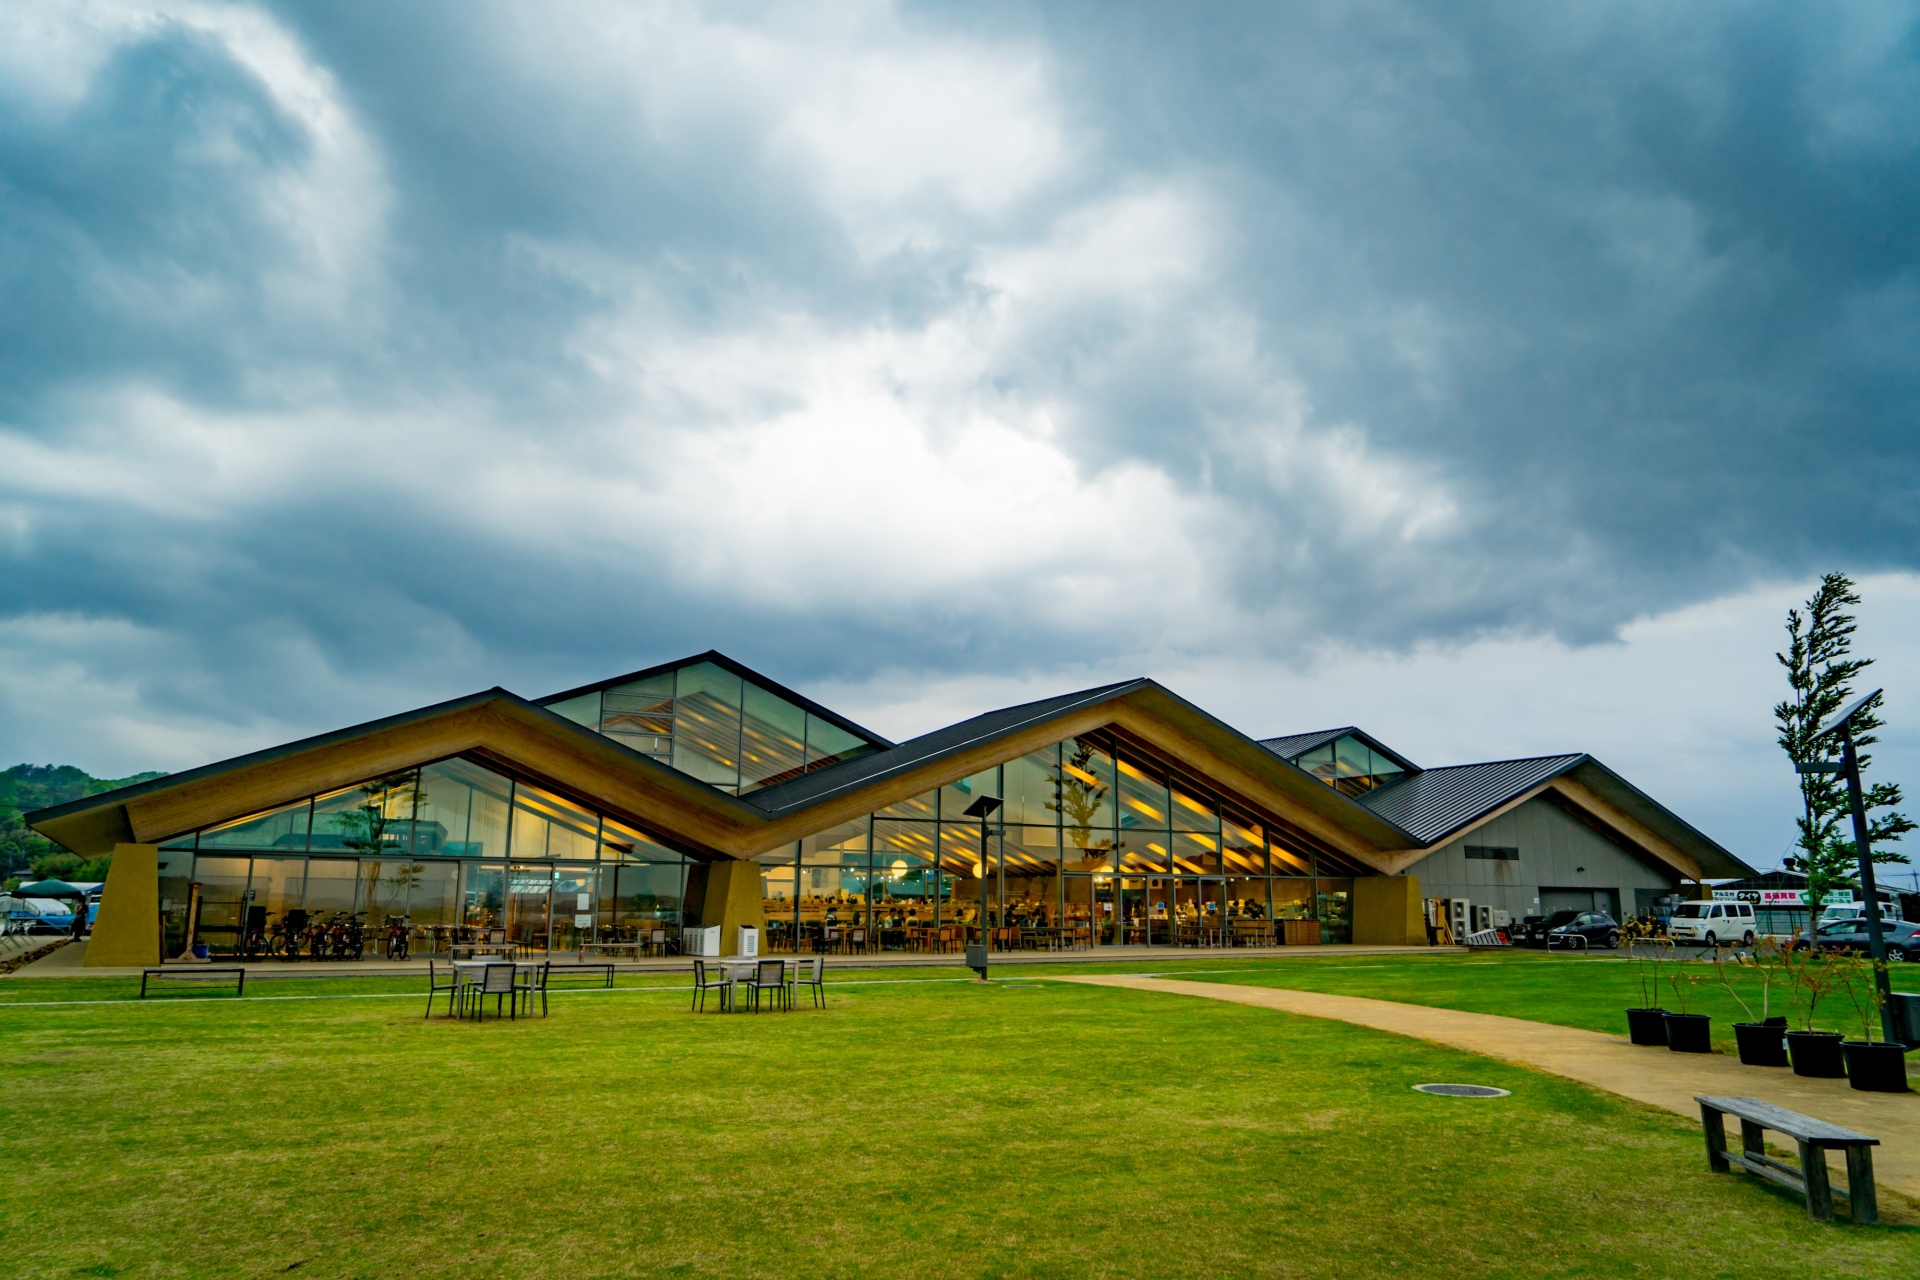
<point>918,1126</point>
<point>1567,990</point>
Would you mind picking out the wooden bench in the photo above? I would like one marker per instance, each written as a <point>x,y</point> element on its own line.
<point>1815,1138</point>
<point>604,971</point>
<point>196,973</point>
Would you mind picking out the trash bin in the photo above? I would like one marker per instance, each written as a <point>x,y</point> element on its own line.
<point>977,959</point>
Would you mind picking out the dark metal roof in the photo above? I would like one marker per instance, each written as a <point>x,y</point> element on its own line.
<point>814,787</point>
<point>1433,802</point>
<point>740,669</point>
<point>1292,746</point>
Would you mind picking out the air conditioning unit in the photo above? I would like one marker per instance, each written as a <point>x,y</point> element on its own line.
<point>700,942</point>
<point>1459,917</point>
<point>1482,919</point>
<point>1502,918</point>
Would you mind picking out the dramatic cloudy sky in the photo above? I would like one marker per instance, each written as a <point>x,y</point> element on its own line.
<point>1492,375</point>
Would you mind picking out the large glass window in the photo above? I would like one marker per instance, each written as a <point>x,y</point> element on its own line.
<point>385,887</point>
<point>706,727</point>
<point>640,715</point>
<point>223,886</point>
<point>1032,789</point>
<point>484,900</point>
<point>773,739</point>
<point>1244,847</point>
<point>373,819</point>
<point>828,744</point>
<point>1192,811</point>
<point>1195,854</point>
<point>280,830</point>
<point>923,806</point>
<point>1349,766</point>
<point>333,885</point>
<point>462,812</point>
<point>1143,794</point>
<point>546,826</point>
<point>433,905</point>
<point>957,796</point>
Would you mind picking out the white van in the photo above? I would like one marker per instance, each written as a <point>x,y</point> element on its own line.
<point>1712,923</point>
<point>1850,910</point>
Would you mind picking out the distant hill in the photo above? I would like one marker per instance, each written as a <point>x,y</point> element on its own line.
<point>27,787</point>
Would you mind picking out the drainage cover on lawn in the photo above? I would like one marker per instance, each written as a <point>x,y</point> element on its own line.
<point>1462,1090</point>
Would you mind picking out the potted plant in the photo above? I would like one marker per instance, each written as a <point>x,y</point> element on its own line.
<point>1872,1067</point>
<point>1810,976</point>
<point>1763,1042</point>
<point>1687,1032</point>
<point>1647,1024</point>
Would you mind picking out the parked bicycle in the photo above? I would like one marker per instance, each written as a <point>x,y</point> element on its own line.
<point>399,938</point>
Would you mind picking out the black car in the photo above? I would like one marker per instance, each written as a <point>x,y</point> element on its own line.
<point>1901,937</point>
<point>1597,927</point>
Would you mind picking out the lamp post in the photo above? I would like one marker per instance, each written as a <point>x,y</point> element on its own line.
<point>1849,767</point>
<point>982,808</point>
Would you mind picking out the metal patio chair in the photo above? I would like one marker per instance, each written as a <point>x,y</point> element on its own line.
<point>811,973</point>
<point>531,982</point>
<point>500,982</point>
<point>703,983</point>
<point>434,987</point>
<point>769,975</point>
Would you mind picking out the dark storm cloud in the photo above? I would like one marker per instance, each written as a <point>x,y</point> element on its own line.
<point>1625,295</point>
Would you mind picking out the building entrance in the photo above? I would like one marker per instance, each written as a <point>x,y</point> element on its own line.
<point>529,894</point>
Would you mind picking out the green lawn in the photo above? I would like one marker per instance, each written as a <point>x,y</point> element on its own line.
<point>919,1126</point>
<point>1571,991</point>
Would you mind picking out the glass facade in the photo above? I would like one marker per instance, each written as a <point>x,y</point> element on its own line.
<point>1349,766</point>
<point>1098,842</point>
<point>446,852</point>
<point>715,725</point>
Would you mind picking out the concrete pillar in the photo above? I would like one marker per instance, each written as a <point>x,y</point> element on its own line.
<point>733,899</point>
<point>1388,911</point>
<point>127,930</point>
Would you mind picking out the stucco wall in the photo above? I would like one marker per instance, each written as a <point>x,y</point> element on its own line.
<point>1553,846</point>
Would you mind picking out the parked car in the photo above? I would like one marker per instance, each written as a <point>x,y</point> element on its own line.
<point>1902,938</point>
<point>1712,923</point>
<point>1597,927</point>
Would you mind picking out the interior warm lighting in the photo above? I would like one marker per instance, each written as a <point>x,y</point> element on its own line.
<point>899,866</point>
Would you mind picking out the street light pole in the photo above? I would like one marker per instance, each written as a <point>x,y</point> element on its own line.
<point>1856,800</point>
<point>982,808</point>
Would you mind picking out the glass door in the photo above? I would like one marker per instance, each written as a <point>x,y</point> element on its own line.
<point>529,892</point>
<point>573,910</point>
<point>1161,912</point>
<point>1133,912</point>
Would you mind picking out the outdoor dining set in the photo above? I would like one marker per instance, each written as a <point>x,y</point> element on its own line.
<point>735,982</point>
<point>513,984</point>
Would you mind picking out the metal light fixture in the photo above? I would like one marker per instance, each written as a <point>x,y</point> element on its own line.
<point>982,808</point>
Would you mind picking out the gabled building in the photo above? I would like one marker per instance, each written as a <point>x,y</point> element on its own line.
<point>701,792</point>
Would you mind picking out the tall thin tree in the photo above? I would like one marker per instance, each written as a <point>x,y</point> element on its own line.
<point>1820,669</point>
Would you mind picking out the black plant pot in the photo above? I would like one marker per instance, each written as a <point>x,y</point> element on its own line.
<point>1816,1053</point>
<point>1876,1068</point>
<point>1647,1026</point>
<point>1762,1044</point>
<point>1689,1033</point>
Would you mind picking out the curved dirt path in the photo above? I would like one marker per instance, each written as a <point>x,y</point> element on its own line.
<point>1654,1076</point>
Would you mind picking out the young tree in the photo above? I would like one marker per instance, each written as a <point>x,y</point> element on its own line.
<point>1820,670</point>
